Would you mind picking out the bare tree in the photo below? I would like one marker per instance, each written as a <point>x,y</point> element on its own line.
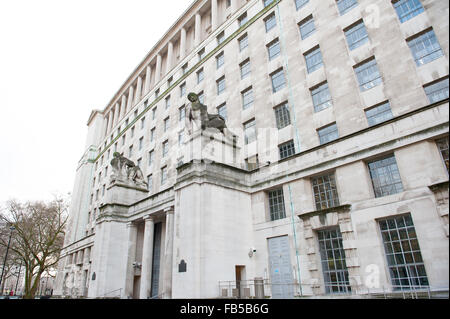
<point>38,237</point>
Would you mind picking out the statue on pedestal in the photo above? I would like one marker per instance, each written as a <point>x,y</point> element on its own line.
<point>197,115</point>
<point>124,170</point>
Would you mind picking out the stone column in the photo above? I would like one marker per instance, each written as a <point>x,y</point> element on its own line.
<point>168,258</point>
<point>123,106</point>
<point>148,72</point>
<point>118,110</point>
<point>214,15</point>
<point>112,112</point>
<point>131,258</point>
<point>158,68</point>
<point>183,43</point>
<point>169,57</point>
<point>147,258</point>
<point>138,95</point>
<point>130,98</point>
<point>198,29</point>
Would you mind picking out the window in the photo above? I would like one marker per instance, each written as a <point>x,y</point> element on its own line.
<point>345,6</point>
<point>135,114</point>
<point>201,54</point>
<point>132,132</point>
<point>200,75</point>
<point>180,138</point>
<point>165,148</point>
<point>222,111</point>
<point>286,149</point>
<point>282,115</point>
<point>142,123</point>
<point>141,143</point>
<point>356,35</point>
<point>274,49</point>
<point>130,151</point>
<point>181,113</point>
<point>156,94</point>
<point>242,19</point>
<point>425,48</point>
<point>183,89</point>
<point>220,60</point>
<point>220,85</point>
<point>184,69</point>
<point>325,191</point>
<point>201,97</point>
<point>278,81</point>
<point>250,131</point>
<point>437,91</point>
<point>300,3</point>
<point>150,157</point>
<point>166,124</point>
<point>267,2</point>
<point>385,176</point>
<point>221,37</point>
<point>243,42</point>
<point>150,182</point>
<point>276,204</point>
<point>407,9</point>
<point>379,114</point>
<point>332,255</point>
<point>321,97</point>
<point>247,98</point>
<point>154,113</point>
<point>152,134</point>
<point>328,133</point>
<point>167,102</point>
<point>115,147</point>
<point>368,75</point>
<point>163,175</point>
<point>228,3</point>
<point>270,22</point>
<point>307,27</point>
<point>252,163</point>
<point>103,189</point>
<point>126,122</point>
<point>139,162</point>
<point>404,259</point>
<point>313,60</point>
<point>443,148</point>
<point>169,81</point>
<point>123,139</point>
<point>245,69</point>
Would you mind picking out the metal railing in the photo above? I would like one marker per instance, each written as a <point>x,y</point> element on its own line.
<point>251,289</point>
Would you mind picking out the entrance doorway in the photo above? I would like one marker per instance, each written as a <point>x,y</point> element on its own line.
<point>240,280</point>
<point>282,279</point>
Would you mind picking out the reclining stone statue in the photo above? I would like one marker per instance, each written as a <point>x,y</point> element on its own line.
<point>124,170</point>
<point>198,115</point>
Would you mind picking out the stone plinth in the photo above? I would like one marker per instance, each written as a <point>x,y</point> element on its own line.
<point>124,193</point>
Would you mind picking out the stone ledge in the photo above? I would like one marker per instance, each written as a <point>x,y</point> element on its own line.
<point>439,186</point>
<point>337,209</point>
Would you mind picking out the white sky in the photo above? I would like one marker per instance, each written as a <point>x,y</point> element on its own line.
<point>59,59</point>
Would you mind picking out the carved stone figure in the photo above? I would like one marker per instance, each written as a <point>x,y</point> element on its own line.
<point>125,170</point>
<point>198,115</point>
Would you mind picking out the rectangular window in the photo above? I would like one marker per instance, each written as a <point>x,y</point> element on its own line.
<point>181,113</point>
<point>356,35</point>
<point>307,27</point>
<point>270,22</point>
<point>243,19</point>
<point>130,151</point>
<point>368,75</point>
<point>300,4</point>
<point>404,259</point>
<point>243,42</point>
<point>325,191</point>
<point>437,91</point>
<point>274,49</point>
<point>267,2</point>
<point>379,114</point>
<point>313,60</point>
<point>321,97</point>
<point>169,82</point>
<point>407,9</point>
<point>165,148</point>
<point>141,143</point>
<point>276,204</point>
<point>332,256</point>
<point>385,176</point>
<point>345,6</point>
<point>184,69</point>
<point>220,60</point>
<point>180,138</point>
<point>222,111</point>
<point>163,175</point>
<point>201,97</point>
<point>252,163</point>
<point>245,69</point>
<point>166,124</point>
<point>200,75</point>
<point>250,131</point>
<point>150,182</point>
<point>201,54</point>
<point>150,157</point>
<point>142,123</point>
<point>139,162</point>
<point>286,149</point>
<point>278,81</point>
<point>221,37</point>
<point>167,102</point>
<point>152,134</point>
<point>443,148</point>
<point>220,85</point>
<point>156,94</point>
<point>132,132</point>
<point>328,133</point>
<point>282,115</point>
<point>182,89</point>
<point>123,139</point>
<point>425,48</point>
<point>247,98</point>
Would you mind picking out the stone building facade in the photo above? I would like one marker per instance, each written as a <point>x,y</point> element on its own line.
<point>338,182</point>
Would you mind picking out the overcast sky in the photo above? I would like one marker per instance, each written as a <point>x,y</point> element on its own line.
<point>59,59</point>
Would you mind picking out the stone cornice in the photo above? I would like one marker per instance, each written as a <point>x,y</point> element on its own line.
<point>337,209</point>
<point>439,186</point>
